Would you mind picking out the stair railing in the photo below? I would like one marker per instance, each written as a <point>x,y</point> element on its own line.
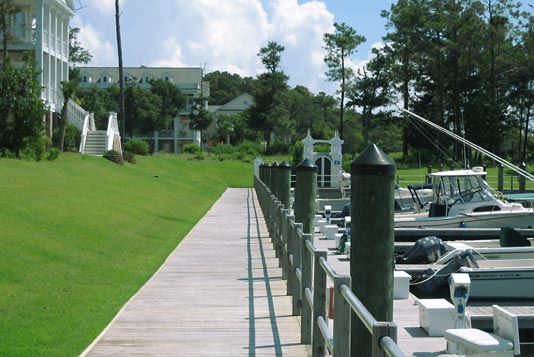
<point>113,134</point>
<point>76,114</point>
<point>88,125</point>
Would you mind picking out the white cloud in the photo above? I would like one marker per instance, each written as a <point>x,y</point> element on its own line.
<point>103,52</point>
<point>105,7</point>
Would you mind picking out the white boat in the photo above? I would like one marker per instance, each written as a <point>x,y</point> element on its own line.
<point>506,279</point>
<point>462,198</point>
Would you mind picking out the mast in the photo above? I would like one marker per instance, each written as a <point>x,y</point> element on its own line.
<point>458,138</point>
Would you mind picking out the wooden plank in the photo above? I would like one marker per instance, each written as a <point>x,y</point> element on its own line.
<point>220,293</point>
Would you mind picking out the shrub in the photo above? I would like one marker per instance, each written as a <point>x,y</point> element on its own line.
<point>35,150</point>
<point>191,149</point>
<point>136,146</point>
<point>223,149</point>
<point>199,155</point>
<point>251,148</point>
<point>297,153</point>
<point>128,156</point>
<point>279,148</point>
<point>53,154</point>
<point>114,156</point>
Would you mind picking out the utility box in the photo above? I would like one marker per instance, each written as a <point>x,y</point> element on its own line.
<point>401,284</point>
<point>435,316</point>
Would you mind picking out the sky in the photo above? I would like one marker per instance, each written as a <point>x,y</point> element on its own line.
<point>226,35</point>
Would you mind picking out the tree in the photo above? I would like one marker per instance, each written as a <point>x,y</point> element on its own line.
<point>7,11</point>
<point>267,111</point>
<point>369,91</point>
<point>225,86</point>
<point>21,108</point>
<point>142,110</point>
<point>201,119</point>
<point>339,46</point>
<point>121,70</point>
<point>172,101</point>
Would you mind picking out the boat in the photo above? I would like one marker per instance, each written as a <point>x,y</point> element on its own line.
<point>496,273</point>
<point>462,198</point>
<point>433,250</point>
<point>507,279</point>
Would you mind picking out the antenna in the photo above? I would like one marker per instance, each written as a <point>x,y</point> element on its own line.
<point>491,155</point>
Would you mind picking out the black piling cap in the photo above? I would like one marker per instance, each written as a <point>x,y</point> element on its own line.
<point>274,165</point>
<point>307,165</point>
<point>284,166</point>
<point>373,161</point>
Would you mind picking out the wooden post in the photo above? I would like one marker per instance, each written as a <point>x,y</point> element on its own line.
<point>274,179</point>
<point>306,313</point>
<point>521,178</point>
<point>319,303</point>
<point>342,323</point>
<point>305,192</point>
<point>500,178</point>
<point>371,252</point>
<point>284,184</point>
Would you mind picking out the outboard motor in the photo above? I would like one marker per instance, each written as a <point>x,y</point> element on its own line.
<point>425,251</point>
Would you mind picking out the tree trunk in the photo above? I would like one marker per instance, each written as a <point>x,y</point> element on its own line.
<point>62,122</point>
<point>121,75</point>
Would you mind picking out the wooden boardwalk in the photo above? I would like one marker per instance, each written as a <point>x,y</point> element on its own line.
<point>220,293</point>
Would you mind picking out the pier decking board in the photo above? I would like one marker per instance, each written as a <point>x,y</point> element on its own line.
<point>220,293</point>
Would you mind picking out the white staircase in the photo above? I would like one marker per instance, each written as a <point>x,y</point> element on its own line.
<point>96,143</point>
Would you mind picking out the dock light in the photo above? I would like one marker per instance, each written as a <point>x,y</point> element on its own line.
<point>327,213</point>
<point>459,284</point>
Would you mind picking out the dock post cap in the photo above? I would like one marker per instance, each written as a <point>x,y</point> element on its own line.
<point>307,165</point>
<point>373,161</point>
<point>284,166</point>
<point>275,164</point>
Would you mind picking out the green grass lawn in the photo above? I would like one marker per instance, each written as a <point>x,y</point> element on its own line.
<point>80,235</point>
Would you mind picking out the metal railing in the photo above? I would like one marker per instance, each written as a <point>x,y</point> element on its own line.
<point>307,272</point>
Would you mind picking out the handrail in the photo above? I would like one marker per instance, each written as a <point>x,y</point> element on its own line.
<point>113,133</point>
<point>85,129</point>
<point>297,255</point>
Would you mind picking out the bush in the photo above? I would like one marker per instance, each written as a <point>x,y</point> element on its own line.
<point>53,154</point>
<point>199,155</point>
<point>35,150</point>
<point>279,148</point>
<point>251,148</point>
<point>191,149</point>
<point>114,156</point>
<point>136,146</point>
<point>222,149</point>
<point>297,153</point>
<point>128,156</point>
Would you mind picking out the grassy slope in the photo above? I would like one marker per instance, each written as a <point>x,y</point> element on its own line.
<point>80,235</point>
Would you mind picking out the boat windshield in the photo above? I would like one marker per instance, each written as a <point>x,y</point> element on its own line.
<point>451,189</point>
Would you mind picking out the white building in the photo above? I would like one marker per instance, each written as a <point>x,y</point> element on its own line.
<point>42,27</point>
<point>177,134</point>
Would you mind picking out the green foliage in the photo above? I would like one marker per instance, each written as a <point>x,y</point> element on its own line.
<point>297,153</point>
<point>225,86</point>
<point>21,109</point>
<point>53,154</point>
<point>321,148</point>
<point>223,149</point>
<point>191,149</point>
<point>114,156</point>
<point>136,146</point>
<point>251,148</point>
<point>129,157</point>
<point>37,149</point>
<point>199,156</point>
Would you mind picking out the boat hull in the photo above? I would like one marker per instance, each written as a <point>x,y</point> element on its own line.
<point>486,220</point>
